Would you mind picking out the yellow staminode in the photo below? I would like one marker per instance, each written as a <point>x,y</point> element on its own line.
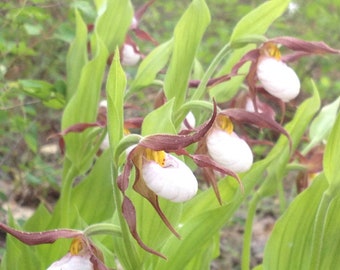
<point>76,246</point>
<point>224,123</point>
<point>271,49</point>
<point>157,156</point>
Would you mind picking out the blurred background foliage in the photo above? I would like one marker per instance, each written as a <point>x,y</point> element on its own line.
<point>34,39</point>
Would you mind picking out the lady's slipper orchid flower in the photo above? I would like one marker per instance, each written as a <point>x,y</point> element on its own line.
<point>168,176</point>
<point>130,54</point>
<point>78,258</point>
<point>273,72</point>
<point>160,174</point>
<point>227,148</point>
<point>82,254</point>
<point>72,262</point>
<point>276,77</point>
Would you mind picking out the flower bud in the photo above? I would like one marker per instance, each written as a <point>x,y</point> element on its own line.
<point>169,178</point>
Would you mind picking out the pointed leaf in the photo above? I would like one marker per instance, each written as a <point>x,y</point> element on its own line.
<point>76,56</point>
<point>332,157</point>
<point>113,22</point>
<point>322,124</point>
<point>115,88</point>
<point>83,108</point>
<point>163,117</point>
<point>187,37</point>
<point>259,19</point>
<point>95,187</point>
<point>289,246</point>
<point>153,63</point>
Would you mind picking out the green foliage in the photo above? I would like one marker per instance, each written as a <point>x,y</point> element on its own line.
<point>187,36</point>
<point>257,21</point>
<point>93,191</point>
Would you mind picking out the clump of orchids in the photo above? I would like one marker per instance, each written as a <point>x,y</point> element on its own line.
<point>157,159</point>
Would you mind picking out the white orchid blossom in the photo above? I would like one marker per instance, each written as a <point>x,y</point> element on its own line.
<point>130,55</point>
<point>169,177</point>
<point>227,149</point>
<point>276,77</point>
<point>72,262</point>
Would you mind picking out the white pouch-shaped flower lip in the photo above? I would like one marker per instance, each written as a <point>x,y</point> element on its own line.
<point>188,122</point>
<point>278,79</point>
<point>72,262</point>
<point>130,55</point>
<point>175,181</point>
<point>230,151</point>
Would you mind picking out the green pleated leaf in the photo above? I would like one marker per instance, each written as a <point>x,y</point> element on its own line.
<point>203,217</point>
<point>211,250</point>
<point>83,108</point>
<point>331,159</point>
<point>225,91</point>
<point>150,66</point>
<point>290,244</point>
<point>258,20</point>
<point>296,128</point>
<point>322,124</point>
<point>115,88</point>
<point>96,187</point>
<point>113,22</point>
<point>163,117</point>
<point>76,56</point>
<point>187,37</point>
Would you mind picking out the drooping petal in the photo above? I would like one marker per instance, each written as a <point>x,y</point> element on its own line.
<point>229,150</point>
<point>262,120</point>
<point>129,213</point>
<point>175,181</point>
<point>309,47</point>
<point>36,238</point>
<point>72,262</point>
<point>209,166</point>
<point>172,143</point>
<point>278,79</point>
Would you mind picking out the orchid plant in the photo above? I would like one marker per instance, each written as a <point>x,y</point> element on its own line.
<point>139,201</point>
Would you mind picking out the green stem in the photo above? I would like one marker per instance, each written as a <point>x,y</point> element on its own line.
<point>246,251</point>
<point>319,229</point>
<point>103,228</point>
<point>282,198</point>
<point>211,69</point>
